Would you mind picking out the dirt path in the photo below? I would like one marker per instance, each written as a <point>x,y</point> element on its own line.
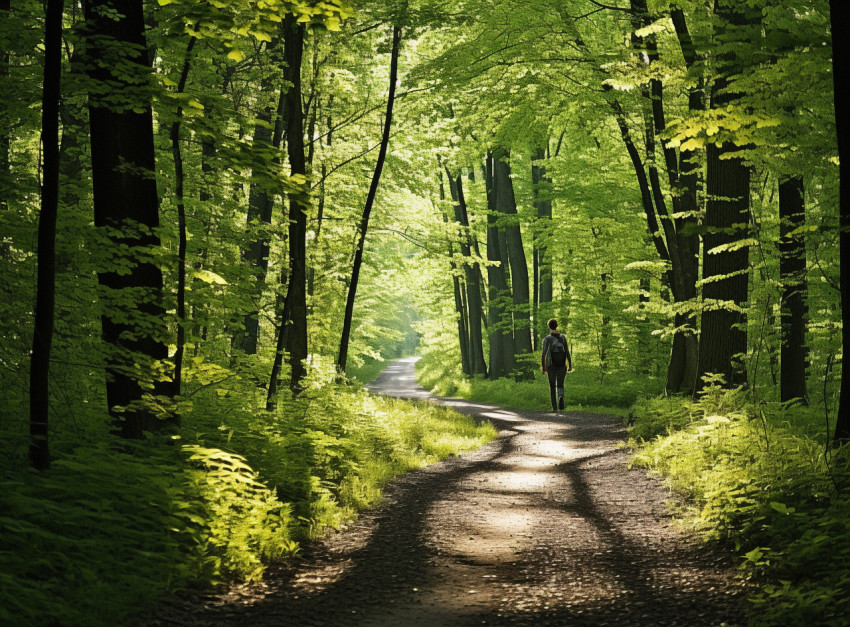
<point>543,526</point>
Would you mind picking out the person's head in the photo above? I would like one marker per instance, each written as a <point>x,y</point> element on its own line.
<point>553,324</point>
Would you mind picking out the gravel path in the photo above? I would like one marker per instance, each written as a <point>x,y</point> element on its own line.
<point>543,526</point>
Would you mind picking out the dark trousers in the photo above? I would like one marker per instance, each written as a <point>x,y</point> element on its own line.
<point>556,384</point>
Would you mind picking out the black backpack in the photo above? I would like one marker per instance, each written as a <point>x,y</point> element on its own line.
<point>558,352</point>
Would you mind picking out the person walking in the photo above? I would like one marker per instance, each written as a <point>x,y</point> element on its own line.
<point>556,363</point>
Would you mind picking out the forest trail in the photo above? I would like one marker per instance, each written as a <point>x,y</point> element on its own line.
<point>545,525</point>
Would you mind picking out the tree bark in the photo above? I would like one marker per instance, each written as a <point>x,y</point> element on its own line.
<point>5,11</point>
<point>177,156</point>
<point>499,322</point>
<point>472,273</point>
<point>46,278</point>
<point>505,201</point>
<point>723,328</point>
<point>794,307</point>
<point>125,197</point>
<point>839,18</point>
<point>296,345</point>
<point>367,209</point>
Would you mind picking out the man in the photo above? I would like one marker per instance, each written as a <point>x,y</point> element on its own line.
<point>556,363</point>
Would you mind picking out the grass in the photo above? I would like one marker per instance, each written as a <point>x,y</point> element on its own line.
<point>112,525</point>
<point>367,371</point>
<point>760,480</point>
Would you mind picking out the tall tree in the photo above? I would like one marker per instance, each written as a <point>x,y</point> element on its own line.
<point>126,207</point>
<point>839,17</point>
<point>267,135</point>
<point>296,346</point>
<point>46,280</point>
<point>505,203</point>
<point>794,306</point>
<point>723,327</point>
<point>182,238</point>
<point>472,273</point>
<point>342,359</point>
<point>498,297</point>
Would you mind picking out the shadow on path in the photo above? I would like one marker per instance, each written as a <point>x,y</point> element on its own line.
<point>543,526</point>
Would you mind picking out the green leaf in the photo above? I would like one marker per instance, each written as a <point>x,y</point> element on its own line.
<point>208,277</point>
<point>236,55</point>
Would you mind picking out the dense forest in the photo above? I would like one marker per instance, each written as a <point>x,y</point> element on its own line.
<point>219,219</point>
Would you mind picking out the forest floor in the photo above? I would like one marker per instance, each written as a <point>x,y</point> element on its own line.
<point>545,525</point>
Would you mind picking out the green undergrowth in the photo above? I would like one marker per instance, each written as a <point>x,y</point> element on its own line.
<point>113,525</point>
<point>760,479</point>
<point>367,371</point>
<point>584,391</point>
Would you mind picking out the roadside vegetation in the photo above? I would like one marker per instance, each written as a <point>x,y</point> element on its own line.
<point>764,480</point>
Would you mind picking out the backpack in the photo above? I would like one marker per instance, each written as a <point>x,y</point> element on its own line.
<point>558,352</point>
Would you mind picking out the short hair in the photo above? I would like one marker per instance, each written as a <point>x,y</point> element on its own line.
<point>553,324</point>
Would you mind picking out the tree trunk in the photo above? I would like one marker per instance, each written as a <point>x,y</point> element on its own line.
<point>723,328</point>
<point>177,156</point>
<point>367,209</point>
<point>503,190</point>
<point>5,127</point>
<point>792,272</point>
<point>499,323</point>
<point>46,280</point>
<point>260,209</point>
<point>460,305</point>
<point>125,197</point>
<point>472,273</point>
<point>839,18</point>
<point>543,265</point>
<point>299,203</point>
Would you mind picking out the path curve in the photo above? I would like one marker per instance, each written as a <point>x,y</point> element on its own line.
<point>545,525</point>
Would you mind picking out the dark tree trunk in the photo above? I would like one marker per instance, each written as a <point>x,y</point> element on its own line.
<point>296,345</point>
<point>46,280</point>
<point>792,272</point>
<point>5,11</point>
<point>503,190</point>
<point>472,273</point>
<point>367,209</point>
<point>125,197</point>
<point>499,322</point>
<point>839,18</point>
<point>177,156</point>
<point>543,265</point>
<point>260,209</point>
<point>682,247</point>
<point>460,305</point>
<point>723,328</point>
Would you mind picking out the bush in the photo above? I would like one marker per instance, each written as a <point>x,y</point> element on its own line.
<point>758,479</point>
<point>114,524</point>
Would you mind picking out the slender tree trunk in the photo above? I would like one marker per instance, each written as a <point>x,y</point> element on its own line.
<point>179,181</point>
<point>794,309</point>
<point>723,328</point>
<point>46,280</point>
<point>5,139</point>
<point>499,322</point>
<point>460,305</point>
<point>839,18</point>
<point>260,210</point>
<point>472,273</point>
<point>125,197</point>
<point>543,265</point>
<point>296,345</point>
<point>367,209</point>
<point>505,200</point>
